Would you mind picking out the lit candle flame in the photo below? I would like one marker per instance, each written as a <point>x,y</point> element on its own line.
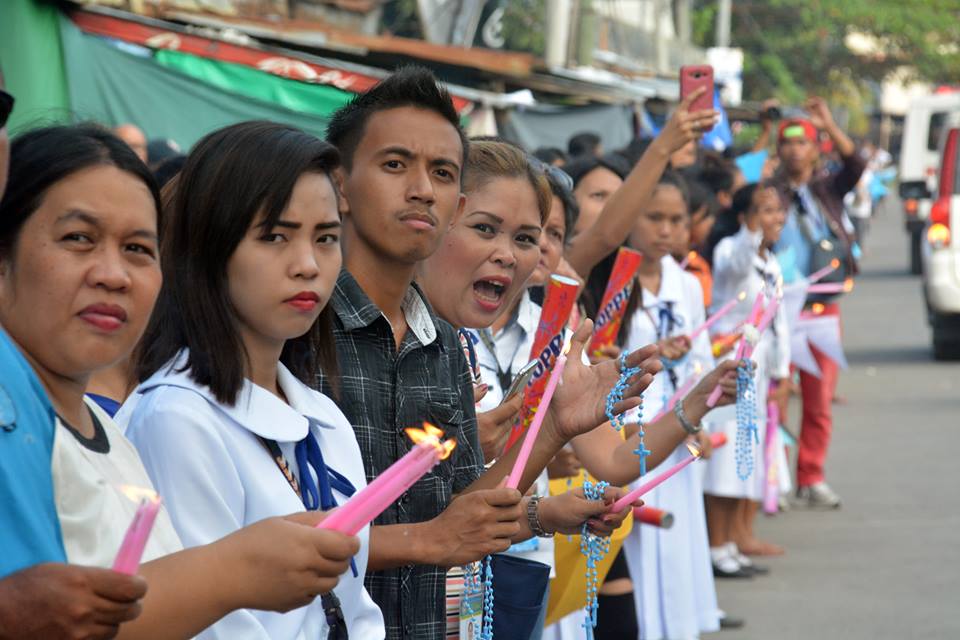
<point>697,368</point>
<point>691,255</point>
<point>834,263</point>
<point>139,494</point>
<point>742,296</point>
<point>817,308</point>
<point>694,450</point>
<point>431,435</point>
<point>848,285</point>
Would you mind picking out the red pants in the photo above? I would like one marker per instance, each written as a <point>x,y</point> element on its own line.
<point>817,425</point>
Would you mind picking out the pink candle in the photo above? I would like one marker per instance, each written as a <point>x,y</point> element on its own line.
<point>632,497</point>
<point>816,276</point>
<point>771,490</point>
<point>722,311</point>
<point>831,287</point>
<point>513,481</point>
<point>686,260</point>
<point>373,499</point>
<point>752,327</point>
<point>768,315</point>
<point>679,394</point>
<point>135,540</point>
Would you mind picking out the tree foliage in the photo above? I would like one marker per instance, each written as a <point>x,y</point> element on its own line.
<point>796,47</point>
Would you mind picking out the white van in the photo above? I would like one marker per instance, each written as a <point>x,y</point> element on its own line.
<point>919,156</point>
<point>941,248</point>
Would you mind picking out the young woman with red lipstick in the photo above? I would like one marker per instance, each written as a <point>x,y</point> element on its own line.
<point>79,275</point>
<point>228,428</point>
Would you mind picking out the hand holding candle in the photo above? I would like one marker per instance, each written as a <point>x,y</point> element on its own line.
<point>372,500</point>
<point>138,533</point>
<point>651,484</point>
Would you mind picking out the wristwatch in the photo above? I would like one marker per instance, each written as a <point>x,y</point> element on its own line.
<point>533,518</point>
<point>692,429</point>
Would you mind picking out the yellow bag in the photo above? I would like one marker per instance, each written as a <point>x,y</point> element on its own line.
<point>568,590</point>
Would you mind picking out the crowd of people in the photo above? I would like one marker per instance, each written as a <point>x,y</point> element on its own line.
<point>248,329</point>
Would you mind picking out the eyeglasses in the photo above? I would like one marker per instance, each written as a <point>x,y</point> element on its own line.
<point>558,175</point>
<point>6,106</point>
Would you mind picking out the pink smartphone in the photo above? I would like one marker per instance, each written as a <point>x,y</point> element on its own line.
<point>694,76</point>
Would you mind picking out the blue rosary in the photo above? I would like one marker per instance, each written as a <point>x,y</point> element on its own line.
<point>616,394</point>
<point>746,420</point>
<point>617,419</point>
<point>595,548</point>
<point>473,585</point>
<point>487,632</point>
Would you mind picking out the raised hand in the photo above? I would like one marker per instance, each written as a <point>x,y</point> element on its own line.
<point>819,113</point>
<point>580,401</point>
<point>685,126</point>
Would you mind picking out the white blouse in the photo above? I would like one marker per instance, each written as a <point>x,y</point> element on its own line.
<point>217,477</point>
<point>738,266</point>
<point>681,292</point>
<point>93,510</point>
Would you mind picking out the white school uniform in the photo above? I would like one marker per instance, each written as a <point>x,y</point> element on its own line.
<point>94,513</point>
<point>737,266</point>
<point>672,576</point>
<point>217,476</point>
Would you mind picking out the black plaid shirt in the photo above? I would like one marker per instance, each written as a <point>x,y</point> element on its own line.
<point>382,391</point>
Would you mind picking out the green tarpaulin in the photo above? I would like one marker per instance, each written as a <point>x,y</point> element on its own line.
<point>179,96</point>
<point>32,62</point>
<point>315,99</point>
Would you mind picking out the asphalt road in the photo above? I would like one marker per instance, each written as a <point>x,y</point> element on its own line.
<point>887,564</point>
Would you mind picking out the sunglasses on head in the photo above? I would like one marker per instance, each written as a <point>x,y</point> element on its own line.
<point>6,106</point>
<point>556,174</point>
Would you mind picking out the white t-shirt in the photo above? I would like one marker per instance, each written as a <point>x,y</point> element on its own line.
<point>217,476</point>
<point>94,513</point>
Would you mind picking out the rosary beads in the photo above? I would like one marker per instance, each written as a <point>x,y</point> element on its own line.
<point>746,420</point>
<point>595,548</point>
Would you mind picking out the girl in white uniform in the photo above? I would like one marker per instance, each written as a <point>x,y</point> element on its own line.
<point>670,568</point>
<point>224,419</point>
<point>743,263</point>
<point>79,275</point>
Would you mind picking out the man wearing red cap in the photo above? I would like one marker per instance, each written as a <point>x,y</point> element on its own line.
<point>815,219</point>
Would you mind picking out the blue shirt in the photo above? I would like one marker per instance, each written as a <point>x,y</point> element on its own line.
<point>29,528</point>
<point>794,247</point>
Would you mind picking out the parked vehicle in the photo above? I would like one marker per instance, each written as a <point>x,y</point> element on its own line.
<point>941,250</point>
<point>922,130</point>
